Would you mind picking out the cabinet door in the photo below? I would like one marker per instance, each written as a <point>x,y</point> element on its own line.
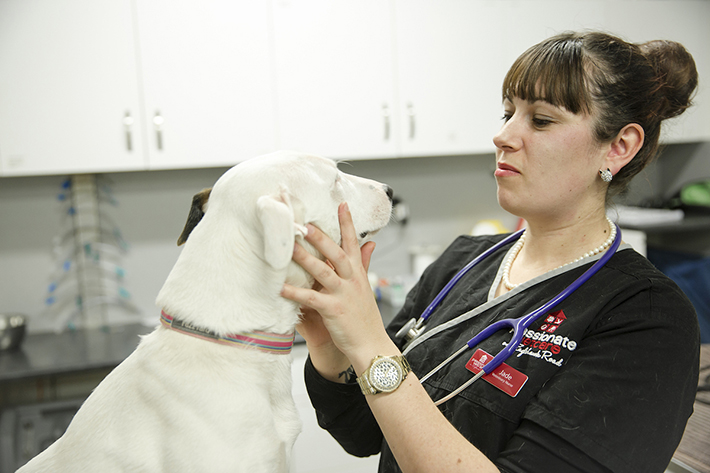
<point>334,73</point>
<point>67,82</point>
<point>527,23</point>
<point>449,75</point>
<point>685,21</point>
<point>207,81</point>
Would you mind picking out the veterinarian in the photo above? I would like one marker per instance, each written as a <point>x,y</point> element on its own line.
<point>606,380</point>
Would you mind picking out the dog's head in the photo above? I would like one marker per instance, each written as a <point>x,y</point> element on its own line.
<point>269,199</point>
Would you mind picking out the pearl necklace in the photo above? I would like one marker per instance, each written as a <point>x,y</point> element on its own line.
<point>521,241</point>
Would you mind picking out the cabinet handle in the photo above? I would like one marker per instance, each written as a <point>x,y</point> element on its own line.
<point>386,117</point>
<point>127,124</point>
<point>158,121</point>
<point>412,121</point>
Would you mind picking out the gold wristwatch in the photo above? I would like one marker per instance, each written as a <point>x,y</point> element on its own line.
<point>384,375</point>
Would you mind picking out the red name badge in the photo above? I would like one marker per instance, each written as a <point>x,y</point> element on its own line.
<point>507,379</point>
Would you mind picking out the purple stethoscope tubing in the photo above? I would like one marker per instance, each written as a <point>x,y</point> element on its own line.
<point>518,325</point>
<point>413,327</point>
<point>450,285</point>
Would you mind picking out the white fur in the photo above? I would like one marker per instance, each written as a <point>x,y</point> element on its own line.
<point>181,404</point>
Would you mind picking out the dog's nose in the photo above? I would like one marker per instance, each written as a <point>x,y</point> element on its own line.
<point>390,192</point>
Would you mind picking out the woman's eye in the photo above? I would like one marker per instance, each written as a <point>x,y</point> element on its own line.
<point>506,116</point>
<point>541,122</point>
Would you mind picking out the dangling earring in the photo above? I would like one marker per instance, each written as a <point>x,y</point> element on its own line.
<point>606,175</point>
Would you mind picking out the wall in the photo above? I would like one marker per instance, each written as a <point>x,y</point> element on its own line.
<point>28,222</point>
<point>678,165</point>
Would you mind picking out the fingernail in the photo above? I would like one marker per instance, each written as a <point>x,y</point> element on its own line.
<point>345,207</point>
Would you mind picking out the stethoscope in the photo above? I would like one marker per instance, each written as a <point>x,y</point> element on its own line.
<point>412,329</point>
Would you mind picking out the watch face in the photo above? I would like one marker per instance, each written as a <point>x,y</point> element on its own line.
<point>385,375</point>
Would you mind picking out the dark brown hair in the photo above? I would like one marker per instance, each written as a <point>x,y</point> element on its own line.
<point>621,82</point>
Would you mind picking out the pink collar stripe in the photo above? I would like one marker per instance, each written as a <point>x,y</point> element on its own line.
<point>274,343</point>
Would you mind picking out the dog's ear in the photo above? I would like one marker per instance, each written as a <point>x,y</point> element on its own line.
<point>276,217</point>
<point>197,211</point>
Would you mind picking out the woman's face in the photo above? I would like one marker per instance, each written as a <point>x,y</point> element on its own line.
<point>547,162</point>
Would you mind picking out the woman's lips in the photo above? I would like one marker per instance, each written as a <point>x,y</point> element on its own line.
<point>505,170</point>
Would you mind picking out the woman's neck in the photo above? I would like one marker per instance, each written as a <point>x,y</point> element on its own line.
<point>550,246</point>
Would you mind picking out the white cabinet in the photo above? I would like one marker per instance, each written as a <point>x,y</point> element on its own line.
<point>685,21</point>
<point>449,69</point>
<point>335,79</point>
<point>352,77</point>
<point>525,23</point>
<point>90,86</point>
<point>207,81</point>
<point>387,78</point>
<point>84,88</point>
<point>67,83</point>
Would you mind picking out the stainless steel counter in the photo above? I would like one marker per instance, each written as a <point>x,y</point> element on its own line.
<point>45,381</point>
<point>70,352</point>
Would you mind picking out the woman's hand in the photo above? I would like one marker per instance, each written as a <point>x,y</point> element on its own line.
<point>311,325</point>
<point>328,360</point>
<point>345,308</point>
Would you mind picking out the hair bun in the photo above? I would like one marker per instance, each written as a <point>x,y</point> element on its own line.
<point>676,74</point>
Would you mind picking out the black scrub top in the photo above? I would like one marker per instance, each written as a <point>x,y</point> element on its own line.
<point>610,373</point>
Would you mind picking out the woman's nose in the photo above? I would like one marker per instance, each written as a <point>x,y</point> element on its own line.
<point>508,137</point>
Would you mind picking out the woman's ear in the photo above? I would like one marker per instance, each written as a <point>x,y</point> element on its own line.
<point>624,147</point>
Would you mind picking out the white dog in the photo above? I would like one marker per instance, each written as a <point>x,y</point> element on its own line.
<point>210,389</point>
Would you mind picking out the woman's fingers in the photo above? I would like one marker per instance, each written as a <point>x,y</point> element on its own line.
<point>346,308</point>
<point>340,256</point>
<point>303,296</point>
<point>366,253</point>
<point>322,271</point>
<point>341,261</point>
<point>348,234</point>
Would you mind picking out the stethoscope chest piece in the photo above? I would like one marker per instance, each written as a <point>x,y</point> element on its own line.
<point>411,330</point>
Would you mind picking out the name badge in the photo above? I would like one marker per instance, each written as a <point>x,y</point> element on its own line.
<point>507,379</point>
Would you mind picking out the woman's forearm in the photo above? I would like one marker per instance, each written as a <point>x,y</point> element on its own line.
<point>420,437</point>
<point>331,363</point>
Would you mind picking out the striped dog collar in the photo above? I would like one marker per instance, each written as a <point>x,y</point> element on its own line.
<point>275,343</point>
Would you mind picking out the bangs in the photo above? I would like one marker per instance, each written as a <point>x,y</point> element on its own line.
<point>552,71</point>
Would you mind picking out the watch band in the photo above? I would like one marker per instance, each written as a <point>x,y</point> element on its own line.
<point>384,375</point>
